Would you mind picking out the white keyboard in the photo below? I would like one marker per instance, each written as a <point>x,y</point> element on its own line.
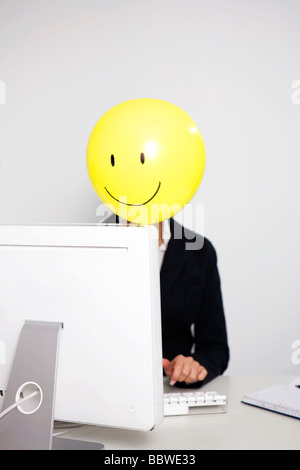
<point>187,403</point>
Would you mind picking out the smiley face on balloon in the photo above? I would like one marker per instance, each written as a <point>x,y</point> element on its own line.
<point>145,159</point>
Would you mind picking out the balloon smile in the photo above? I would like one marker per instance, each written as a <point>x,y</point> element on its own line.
<point>143,204</point>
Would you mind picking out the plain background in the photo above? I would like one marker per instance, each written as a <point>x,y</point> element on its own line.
<point>233,65</point>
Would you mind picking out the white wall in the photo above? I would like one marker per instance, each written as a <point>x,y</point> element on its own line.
<point>231,65</point>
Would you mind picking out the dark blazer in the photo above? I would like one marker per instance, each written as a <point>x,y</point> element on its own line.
<point>193,321</point>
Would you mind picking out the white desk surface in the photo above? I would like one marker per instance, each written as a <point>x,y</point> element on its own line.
<point>243,427</point>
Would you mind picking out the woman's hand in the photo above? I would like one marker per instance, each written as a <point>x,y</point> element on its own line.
<point>184,369</point>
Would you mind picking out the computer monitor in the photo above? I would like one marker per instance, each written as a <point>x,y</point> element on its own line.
<point>102,283</point>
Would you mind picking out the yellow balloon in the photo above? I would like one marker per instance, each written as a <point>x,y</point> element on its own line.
<point>145,159</point>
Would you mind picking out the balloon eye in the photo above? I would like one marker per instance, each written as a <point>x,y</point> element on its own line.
<point>112,160</point>
<point>142,158</point>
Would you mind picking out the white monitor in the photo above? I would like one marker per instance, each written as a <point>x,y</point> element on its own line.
<point>102,283</point>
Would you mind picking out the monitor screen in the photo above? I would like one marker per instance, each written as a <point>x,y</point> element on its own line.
<point>102,283</point>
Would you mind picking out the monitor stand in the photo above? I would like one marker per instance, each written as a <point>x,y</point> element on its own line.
<point>30,426</point>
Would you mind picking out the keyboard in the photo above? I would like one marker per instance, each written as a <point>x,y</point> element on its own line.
<point>188,403</point>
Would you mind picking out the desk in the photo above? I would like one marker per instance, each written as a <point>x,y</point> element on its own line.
<point>243,427</point>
